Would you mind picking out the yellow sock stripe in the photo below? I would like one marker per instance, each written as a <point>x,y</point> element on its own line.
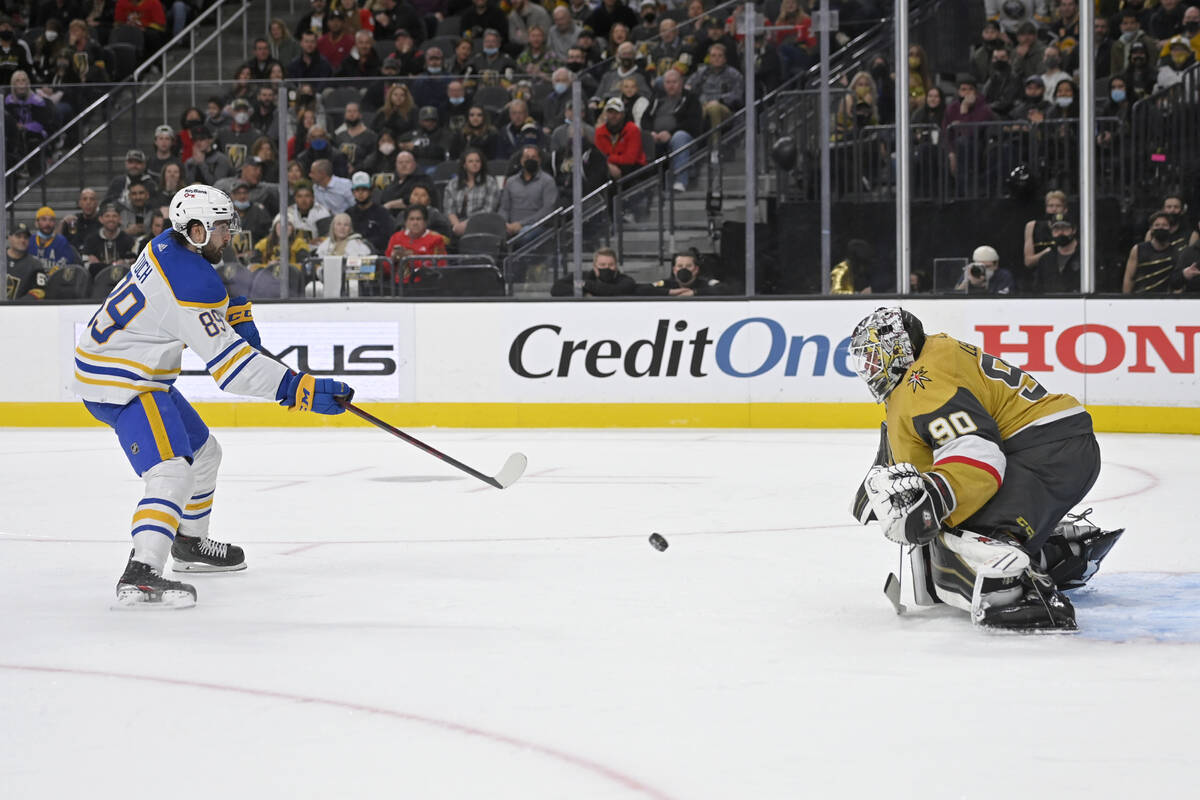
<point>245,351</point>
<point>161,440</point>
<point>162,516</point>
<point>203,504</point>
<point>304,393</point>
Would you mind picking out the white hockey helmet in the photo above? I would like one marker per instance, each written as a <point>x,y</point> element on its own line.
<point>206,205</point>
<point>883,347</point>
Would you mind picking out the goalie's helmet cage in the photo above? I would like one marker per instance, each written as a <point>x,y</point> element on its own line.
<point>204,204</point>
<point>881,351</point>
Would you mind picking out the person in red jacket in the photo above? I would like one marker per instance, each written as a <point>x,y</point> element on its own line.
<point>147,15</point>
<point>415,238</point>
<point>620,140</point>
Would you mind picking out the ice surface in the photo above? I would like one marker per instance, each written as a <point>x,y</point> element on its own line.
<point>406,631</point>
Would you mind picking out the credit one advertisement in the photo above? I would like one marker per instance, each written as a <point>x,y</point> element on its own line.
<point>1112,352</point>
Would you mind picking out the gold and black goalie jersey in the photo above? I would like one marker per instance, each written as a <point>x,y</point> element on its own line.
<point>959,410</point>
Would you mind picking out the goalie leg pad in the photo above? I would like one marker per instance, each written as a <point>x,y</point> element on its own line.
<point>972,571</point>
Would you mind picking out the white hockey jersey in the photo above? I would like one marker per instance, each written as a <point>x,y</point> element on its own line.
<point>134,343</point>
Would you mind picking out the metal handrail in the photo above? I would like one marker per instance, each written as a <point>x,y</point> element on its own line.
<point>82,116</point>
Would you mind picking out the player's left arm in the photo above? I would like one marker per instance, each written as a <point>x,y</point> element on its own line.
<point>947,467</point>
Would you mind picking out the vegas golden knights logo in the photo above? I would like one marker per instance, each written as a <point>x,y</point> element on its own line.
<point>237,154</point>
<point>243,245</point>
<point>81,62</point>
<point>381,180</point>
<point>348,150</point>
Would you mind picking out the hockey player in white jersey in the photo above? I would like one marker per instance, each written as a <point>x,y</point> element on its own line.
<point>126,362</point>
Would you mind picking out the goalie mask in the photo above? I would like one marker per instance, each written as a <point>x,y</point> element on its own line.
<point>883,347</point>
<point>205,205</point>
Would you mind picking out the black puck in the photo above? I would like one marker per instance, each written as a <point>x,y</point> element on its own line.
<point>658,542</point>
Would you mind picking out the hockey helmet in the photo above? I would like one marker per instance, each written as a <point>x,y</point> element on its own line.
<point>206,205</point>
<point>883,346</point>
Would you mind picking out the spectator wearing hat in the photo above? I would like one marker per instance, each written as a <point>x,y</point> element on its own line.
<point>1141,75</point>
<point>968,108</point>
<point>720,87</point>
<point>261,191</point>
<point>992,39</point>
<point>984,275</point>
<point>318,147</point>
<point>369,219</point>
<point>135,170</point>
<point>166,149</point>
<point>1034,105</point>
<point>429,142</point>
<point>483,16</point>
<point>404,53</point>
<point>330,190</point>
<point>78,226</point>
<point>586,41</point>
<point>254,216</point>
<point>207,164</point>
<point>310,66</point>
<point>647,27</point>
<point>608,12</point>
<point>1179,59</point>
<point>109,245</point>
<point>1057,271</point>
<point>237,138</point>
<point>135,216</point>
<point>620,140</point>
<point>336,42</point>
<point>529,195</point>
<point>429,88</point>
<point>492,59</point>
<point>353,138</point>
<point>1026,55</point>
<point>362,61</point>
<point>48,244</point>
<point>26,278</point>
<point>406,176</point>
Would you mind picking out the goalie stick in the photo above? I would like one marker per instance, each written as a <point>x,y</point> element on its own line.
<point>509,474</point>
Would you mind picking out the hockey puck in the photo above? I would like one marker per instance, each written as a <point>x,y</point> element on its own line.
<point>658,542</point>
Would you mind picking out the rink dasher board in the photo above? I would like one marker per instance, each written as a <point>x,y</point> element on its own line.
<point>741,363</point>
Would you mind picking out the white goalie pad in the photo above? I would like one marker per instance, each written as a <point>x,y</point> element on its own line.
<point>990,559</point>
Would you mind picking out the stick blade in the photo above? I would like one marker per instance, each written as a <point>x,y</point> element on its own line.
<point>891,588</point>
<point>512,470</point>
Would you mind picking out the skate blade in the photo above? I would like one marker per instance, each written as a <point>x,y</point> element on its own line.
<point>197,567</point>
<point>172,601</point>
<point>991,630</point>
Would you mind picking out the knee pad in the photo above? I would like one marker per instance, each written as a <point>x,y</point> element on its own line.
<point>970,569</point>
<point>170,480</point>
<point>206,462</point>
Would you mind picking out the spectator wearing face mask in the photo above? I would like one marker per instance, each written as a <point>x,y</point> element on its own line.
<point>1052,71</point>
<point>1177,225</point>
<point>529,195</point>
<point>1150,264</point>
<point>15,54</point>
<point>605,280</point>
<point>318,147</point>
<point>1167,20</point>
<point>1140,76</point>
<point>429,88</point>
<point>687,280</point>
<point>1057,271</point>
<point>1179,59</point>
<point>554,105</point>
<point>1130,27</point>
<point>1003,88</point>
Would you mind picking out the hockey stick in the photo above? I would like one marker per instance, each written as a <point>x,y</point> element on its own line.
<point>509,474</point>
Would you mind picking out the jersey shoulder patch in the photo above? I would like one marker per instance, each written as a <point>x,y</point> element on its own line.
<point>190,277</point>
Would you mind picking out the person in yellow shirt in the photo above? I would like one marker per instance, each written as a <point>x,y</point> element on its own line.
<point>983,465</point>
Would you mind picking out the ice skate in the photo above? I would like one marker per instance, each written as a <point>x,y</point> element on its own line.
<point>196,554</point>
<point>141,586</point>
<point>1041,608</point>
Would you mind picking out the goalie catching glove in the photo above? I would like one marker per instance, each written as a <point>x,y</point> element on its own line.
<point>909,504</point>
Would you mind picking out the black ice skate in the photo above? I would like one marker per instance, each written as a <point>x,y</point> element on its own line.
<point>1040,609</point>
<point>1073,553</point>
<point>193,554</point>
<point>141,586</point>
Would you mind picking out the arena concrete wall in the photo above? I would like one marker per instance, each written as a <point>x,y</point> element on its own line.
<point>737,363</point>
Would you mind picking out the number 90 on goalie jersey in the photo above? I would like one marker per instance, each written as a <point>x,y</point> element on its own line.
<point>171,298</point>
<point>958,410</point>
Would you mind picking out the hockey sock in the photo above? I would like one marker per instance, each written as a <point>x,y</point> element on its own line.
<point>197,511</point>
<point>168,485</point>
